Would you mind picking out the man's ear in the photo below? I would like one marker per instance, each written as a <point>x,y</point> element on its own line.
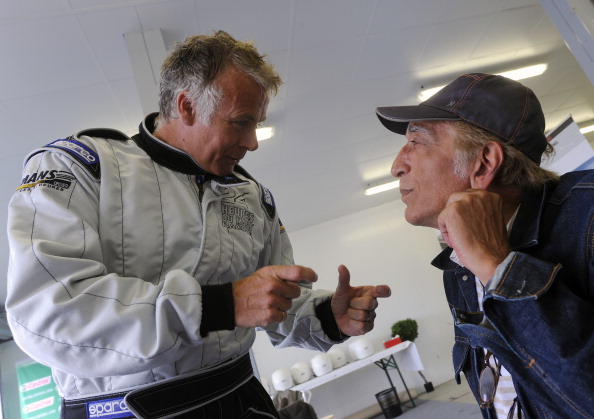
<point>185,108</point>
<point>487,165</point>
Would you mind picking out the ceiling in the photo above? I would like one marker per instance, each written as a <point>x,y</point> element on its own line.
<point>65,66</point>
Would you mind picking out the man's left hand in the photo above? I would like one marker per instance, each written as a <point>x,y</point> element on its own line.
<point>354,307</point>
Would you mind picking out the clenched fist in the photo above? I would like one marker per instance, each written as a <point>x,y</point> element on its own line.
<point>265,296</point>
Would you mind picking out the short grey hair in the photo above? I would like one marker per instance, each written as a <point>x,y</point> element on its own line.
<point>194,65</point>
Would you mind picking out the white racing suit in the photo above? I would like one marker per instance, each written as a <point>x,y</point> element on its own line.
<point>115,242</point>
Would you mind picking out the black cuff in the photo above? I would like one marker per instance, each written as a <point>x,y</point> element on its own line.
<point>218,309</point>
<point>329,326</point>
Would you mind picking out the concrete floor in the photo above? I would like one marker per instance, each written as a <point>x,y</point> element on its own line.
<point>447,392</point>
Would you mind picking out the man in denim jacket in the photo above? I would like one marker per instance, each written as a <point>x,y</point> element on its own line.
<point>519,269</point>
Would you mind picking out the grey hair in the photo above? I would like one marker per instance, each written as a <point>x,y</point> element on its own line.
<point>194,65</point>
<point>517,168</point>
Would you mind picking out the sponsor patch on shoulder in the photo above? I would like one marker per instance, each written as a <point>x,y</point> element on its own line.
<point>108,409</point>
<point>268,201</point>
<point>54,179</point>
<point>281,226</point>
<point>84,154</point>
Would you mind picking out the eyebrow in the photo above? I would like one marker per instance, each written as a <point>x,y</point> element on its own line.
<point>413,127</point>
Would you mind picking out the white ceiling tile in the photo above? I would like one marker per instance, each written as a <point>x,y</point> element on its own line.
<point>176,19</point>
<point>514,4</point>
<point>279,60</point>
<point>318,22</point>
<point>545,32</point>
<point>366,96</point>
<point>389,54</point>
<point>391,16</point>
<point>79,5</point>
<point>59,114</point>
<point>440,49</point>
<point>14,135</point>
<point>128,103</point>
<point>463,9</point>
<point>322,66</point>
<point>27,9</point>
<point>268,25</point>
<point>105,31</point>
<point>49,58</point>
<point>355,130</point>
<point>510,30</point>
<point>325,107</point>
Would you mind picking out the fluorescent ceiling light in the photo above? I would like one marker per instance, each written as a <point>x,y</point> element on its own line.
<point>587,129</point>
<point>517,74</point>
<point>382,188</point>
<point>264,133</point>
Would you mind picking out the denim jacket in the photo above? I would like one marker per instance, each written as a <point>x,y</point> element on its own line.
<point>539,318</point>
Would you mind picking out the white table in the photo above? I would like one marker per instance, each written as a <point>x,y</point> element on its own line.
<point>404,353</point>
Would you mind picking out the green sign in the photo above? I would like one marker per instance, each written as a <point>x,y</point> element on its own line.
<point>37,392</point>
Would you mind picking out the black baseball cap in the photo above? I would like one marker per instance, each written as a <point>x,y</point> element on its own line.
<point>499,105</point>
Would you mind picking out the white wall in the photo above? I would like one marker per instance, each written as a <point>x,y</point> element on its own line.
<point>378,246</point>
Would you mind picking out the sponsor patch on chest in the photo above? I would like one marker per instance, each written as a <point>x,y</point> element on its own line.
<point>237,218</point>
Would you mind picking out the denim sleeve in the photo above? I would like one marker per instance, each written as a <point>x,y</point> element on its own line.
<point>548,328</point>
<point>521,276</point>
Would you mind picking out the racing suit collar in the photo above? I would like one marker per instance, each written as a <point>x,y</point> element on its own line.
<point>164,154</point>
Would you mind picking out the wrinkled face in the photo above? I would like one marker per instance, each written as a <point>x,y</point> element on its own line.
<point>231,133</point>
<point>425,167</point>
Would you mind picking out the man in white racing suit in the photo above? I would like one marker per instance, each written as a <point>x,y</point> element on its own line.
<point>140,267</point>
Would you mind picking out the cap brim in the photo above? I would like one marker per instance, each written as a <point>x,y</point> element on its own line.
<point>396,118</point>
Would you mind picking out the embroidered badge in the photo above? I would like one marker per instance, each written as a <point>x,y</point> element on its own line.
<point>54,179</point>
<point>237,218</point>
<point>84,154</point>
<point>108,409</point>
<point>268,201</point>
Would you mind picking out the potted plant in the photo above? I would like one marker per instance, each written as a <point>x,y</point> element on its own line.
<point>408,329</point>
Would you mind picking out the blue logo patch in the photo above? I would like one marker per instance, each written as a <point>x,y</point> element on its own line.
<point>268,201</point>
<point>84,153</point>
<point>108,409</point>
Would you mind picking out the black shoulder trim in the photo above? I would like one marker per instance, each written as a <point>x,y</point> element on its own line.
<point>267,198</point>
<point>112,134</point>
<point>243,172</point>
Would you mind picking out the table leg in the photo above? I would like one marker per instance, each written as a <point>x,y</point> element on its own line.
<point>383,364</point>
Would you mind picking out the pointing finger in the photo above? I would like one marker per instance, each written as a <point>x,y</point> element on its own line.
<point>382,291</point>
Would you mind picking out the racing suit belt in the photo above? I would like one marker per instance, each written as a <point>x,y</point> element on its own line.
<point>174,396</point>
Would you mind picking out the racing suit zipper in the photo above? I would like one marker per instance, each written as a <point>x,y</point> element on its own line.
<point>200,179</point>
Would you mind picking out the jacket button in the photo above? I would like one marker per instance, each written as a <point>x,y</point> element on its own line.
<point>465,277</point>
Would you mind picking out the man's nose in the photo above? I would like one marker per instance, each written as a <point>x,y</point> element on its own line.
<point>250,141</point>
<point>399,166</point>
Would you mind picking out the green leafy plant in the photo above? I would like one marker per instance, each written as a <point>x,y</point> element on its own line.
<point>408,329</point>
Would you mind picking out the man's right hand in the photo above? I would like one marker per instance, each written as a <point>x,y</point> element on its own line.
<point>265,296</point>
